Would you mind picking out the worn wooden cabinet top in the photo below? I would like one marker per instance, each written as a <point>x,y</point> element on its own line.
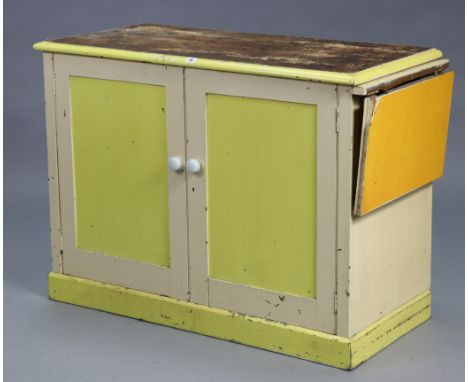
<point>338,62</point>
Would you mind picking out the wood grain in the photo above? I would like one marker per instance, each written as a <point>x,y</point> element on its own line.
<point>285,51</point>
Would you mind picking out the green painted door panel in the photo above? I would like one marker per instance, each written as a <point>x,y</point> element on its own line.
<point>120,169</point>
<point>261,179</point>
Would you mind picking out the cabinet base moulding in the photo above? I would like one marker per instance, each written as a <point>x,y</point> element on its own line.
<point>328,349</point>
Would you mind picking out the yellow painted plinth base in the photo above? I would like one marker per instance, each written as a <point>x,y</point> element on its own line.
<point>328,349</point>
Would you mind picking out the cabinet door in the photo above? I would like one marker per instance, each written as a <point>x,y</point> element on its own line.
<point>123,215</point>
<point>262,207</point>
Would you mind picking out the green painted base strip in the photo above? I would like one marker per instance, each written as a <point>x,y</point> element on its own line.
<point>292,340</point>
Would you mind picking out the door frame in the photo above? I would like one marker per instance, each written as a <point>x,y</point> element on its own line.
<point>171,281</point>
<point>315,313</point>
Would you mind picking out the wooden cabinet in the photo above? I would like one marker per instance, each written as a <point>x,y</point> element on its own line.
<point>282,202</point>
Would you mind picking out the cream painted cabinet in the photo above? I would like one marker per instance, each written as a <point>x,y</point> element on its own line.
<point>268,190</point>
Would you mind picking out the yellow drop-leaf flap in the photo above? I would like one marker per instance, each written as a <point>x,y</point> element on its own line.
<point>403,141</point>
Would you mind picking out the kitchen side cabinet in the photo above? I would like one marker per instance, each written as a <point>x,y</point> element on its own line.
<point>268,190</point>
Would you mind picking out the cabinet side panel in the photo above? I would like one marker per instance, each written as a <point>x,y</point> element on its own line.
<point>390,257</point>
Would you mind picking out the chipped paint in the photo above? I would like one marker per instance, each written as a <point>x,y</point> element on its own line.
<point>339,62</point>
<point>388,329</point>
<point>284,51</point>
<point>383,84</point>
<point>328,349</point>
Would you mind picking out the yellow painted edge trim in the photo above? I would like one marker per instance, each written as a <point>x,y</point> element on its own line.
<point>288,339</point>
<point>388,329</point>
<point>242,67</point>
<point>396,66</point>
<point>292,340</point>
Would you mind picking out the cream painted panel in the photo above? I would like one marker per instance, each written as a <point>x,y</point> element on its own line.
<point>390,257</point>
<point>348,110</point>
<point>52,161</point>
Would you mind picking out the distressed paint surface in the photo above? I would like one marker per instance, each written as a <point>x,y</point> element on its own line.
<point>295,52</point>
<point>404,142</point>
<point>120,171</point>
<point>287,339</point>
<point>291,340</point>
<point>279,56</point>
<point>261,171</point>
<point>387,330</point>
<point>402,77</point>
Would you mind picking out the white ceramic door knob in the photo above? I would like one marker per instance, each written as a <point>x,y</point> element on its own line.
<point>176,164</point>
<point>193,166</point>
